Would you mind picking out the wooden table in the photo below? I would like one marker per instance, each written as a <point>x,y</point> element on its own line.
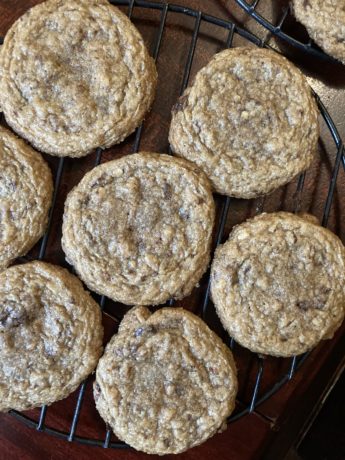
<point>275,425</point>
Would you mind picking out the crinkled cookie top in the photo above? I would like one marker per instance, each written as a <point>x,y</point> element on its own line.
<point>325,22</point>
<point>26,189</point>
<point>50,335</point>
<point>139,229</point>
<point>278,284</point>
<point>75,75</point>
<point>249,121</point>
<point>166,382</point>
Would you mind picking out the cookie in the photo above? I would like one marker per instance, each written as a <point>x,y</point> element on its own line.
<point>50,335</point>
<point>75,75</point>
<point>133,318</point>
<point>278,284</point>
<point>26,189</point>
<point>139,229</point>
<point>166,384</point>
<point>325,22</point>
<point>249,121</point>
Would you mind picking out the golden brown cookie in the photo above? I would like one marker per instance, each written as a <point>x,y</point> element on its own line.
<point>50,335</point>
<point>278,284</point>
<point>139,229</point>
<point>75,75</point>
<point>26,189</point>
<point>167,383</point>
<point>325,22</point>
<point>249,121</point>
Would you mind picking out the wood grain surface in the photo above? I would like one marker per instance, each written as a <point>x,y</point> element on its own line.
<point>270,430</point>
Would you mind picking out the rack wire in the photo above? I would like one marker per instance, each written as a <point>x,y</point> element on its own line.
<point>257,396</point>
<point>251,7</point>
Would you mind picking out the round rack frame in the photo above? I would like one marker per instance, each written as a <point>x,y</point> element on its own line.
<point>257,362</point>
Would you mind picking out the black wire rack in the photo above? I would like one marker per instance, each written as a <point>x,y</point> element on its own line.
<point>278,29</point>
<point>258,363</point>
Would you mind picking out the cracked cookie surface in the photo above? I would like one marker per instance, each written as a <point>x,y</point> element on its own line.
<point>166,382</point>
<point>248,120</point>
<point>50,335</point>
<point>278,284</point>
<point>138,229</point>
<point>325,22</point>
<point>75,75</point>
<point>26,189</point>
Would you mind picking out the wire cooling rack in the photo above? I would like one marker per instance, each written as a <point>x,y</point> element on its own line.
<point>279,29</point>
<point>260,377</point>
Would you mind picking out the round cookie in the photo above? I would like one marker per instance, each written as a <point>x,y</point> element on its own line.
<point>278,284</point>
<point>50,335</point>
<point>325,22</point>
<point>166,384</point>
<point>75,75</point>
<point>249,121</point>
<point>139,229</point>
<point>26,189</point>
